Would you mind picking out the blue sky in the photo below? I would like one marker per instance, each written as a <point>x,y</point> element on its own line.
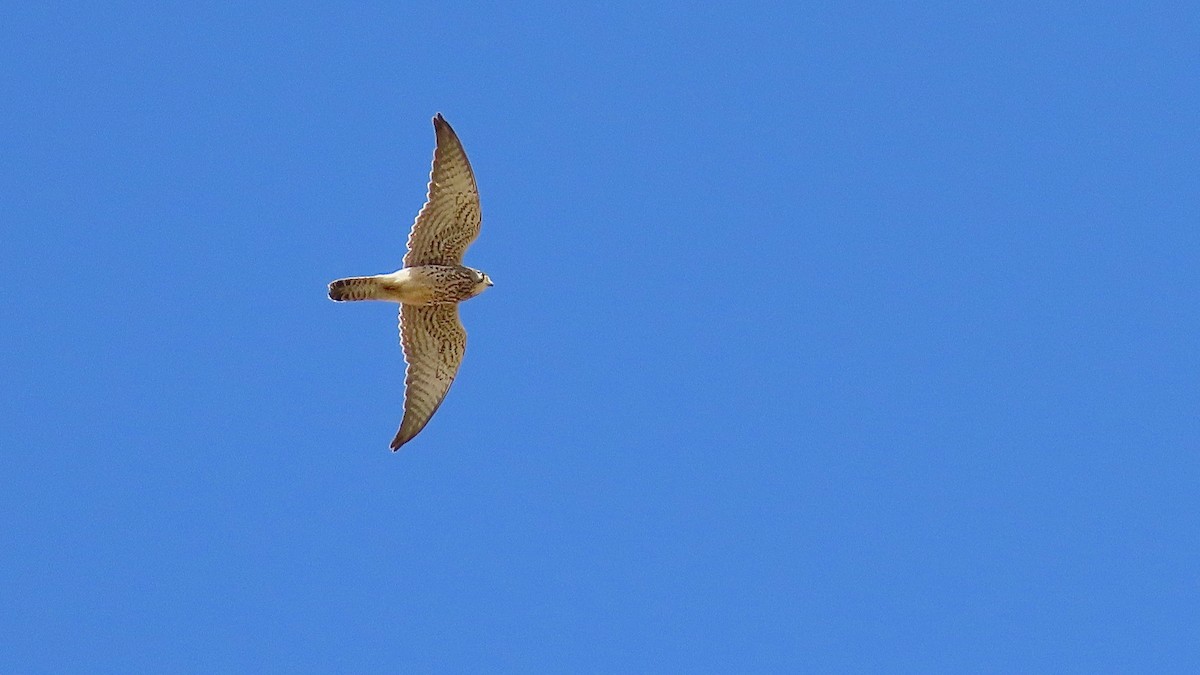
<point>825,336</point>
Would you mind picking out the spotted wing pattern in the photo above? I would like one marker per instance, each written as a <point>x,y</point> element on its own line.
<point>449,220</point>
<point>434,341</point>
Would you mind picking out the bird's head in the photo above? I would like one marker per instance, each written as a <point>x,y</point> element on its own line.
<point>482,282</point>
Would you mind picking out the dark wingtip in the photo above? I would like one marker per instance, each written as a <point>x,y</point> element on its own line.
<point>396,442</point>
<point>440,124</point>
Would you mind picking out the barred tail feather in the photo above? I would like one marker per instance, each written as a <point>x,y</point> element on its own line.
<point>356,288</point>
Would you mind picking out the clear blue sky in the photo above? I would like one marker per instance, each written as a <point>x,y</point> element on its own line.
<point>828,336</point>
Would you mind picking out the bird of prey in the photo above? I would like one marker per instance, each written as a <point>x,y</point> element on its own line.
<point>431,283</point>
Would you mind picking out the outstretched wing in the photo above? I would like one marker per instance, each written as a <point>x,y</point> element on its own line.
<point>434,342</point>
<point>449,220</point>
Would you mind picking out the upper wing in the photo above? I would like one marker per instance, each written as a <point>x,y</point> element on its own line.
<point>434,342</point>
<point>449,220</point>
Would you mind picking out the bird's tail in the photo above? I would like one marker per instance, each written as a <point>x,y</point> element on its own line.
<point>356,288</point>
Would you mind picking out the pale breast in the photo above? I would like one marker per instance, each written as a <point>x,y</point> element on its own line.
<point>435,284</point>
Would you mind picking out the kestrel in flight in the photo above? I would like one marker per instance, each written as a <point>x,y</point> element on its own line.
<point>431,283</point>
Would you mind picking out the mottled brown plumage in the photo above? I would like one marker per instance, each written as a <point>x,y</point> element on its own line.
<point>450,219</point>
<point>431,284</point>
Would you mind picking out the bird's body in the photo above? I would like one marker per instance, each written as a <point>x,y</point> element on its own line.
<point>431,284</point>
<point>419,286</point>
